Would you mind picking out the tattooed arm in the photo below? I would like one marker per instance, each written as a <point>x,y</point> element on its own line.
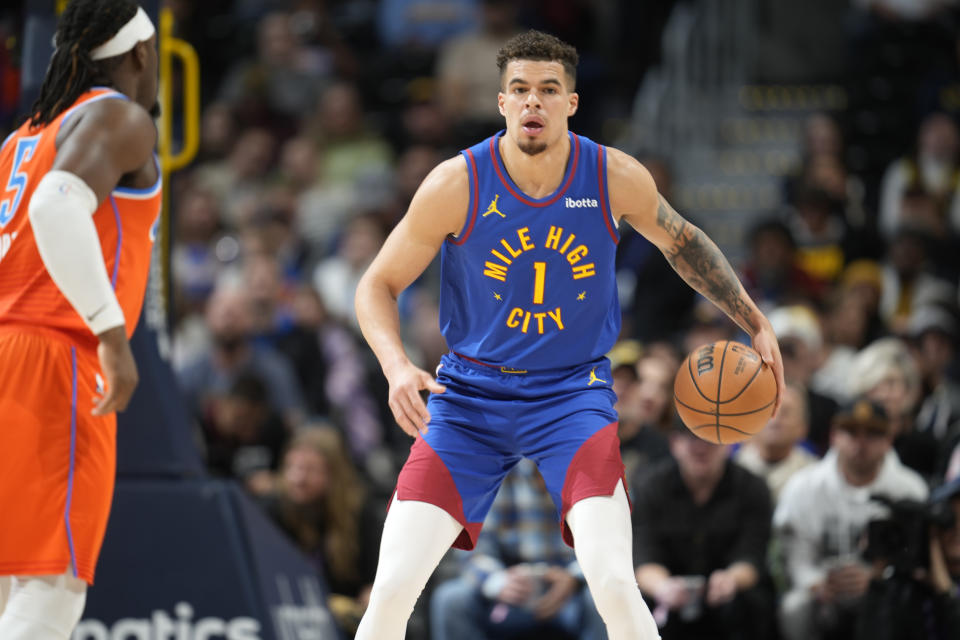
<point>692,254</point>
<point>699,261</point>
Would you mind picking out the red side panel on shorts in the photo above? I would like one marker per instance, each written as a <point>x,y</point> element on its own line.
<point>594,471</point>
<point>426,478</point>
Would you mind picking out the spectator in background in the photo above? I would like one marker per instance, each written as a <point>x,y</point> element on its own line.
<point>269,231</point>
<point>465,88</point>
<point>412,168</point>
<point>349,148</point>
<point>925,605</point>
<point>218,131</point>
<point>822,137</point>
<point>423,24</point>
<point>934,169</point>
<point>424,122</point>
<point>775,452</point>
<point>823,167</point>
<point>933,336</point>
<point>336,277</point>
<point>321,504</point>
<point>268,298</point>
<point>521,579</point>
<point>243,436</point>
<point>862,281</point>
<point>822,514</point>
<point>282,83</point>
<point>820,233</point>
<point>798,332</point>
<point>231,353</point>
<point>423,339</point>
<point>844,323</point>
<point>771,274</point>
<point>646,413</point>
<point>242,175</point>
<point>336,378</point>
<point>886,373</point>
<point>949,537</point>
<point>907,281</point>
<point>921,211</point>
<point>321,207</point>
<point>701,528</point>
<point>194,259</point>
<point>623,360</point>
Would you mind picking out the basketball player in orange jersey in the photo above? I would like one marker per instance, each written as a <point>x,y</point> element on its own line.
<point>79,200</point>
<point>528,308</point>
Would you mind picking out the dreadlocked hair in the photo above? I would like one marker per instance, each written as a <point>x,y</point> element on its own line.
<point>84,26</point>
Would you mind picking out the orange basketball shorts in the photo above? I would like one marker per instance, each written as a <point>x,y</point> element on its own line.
<point>57,461</point>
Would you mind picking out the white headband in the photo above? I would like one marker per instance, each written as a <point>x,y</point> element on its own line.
<point>137,30</point>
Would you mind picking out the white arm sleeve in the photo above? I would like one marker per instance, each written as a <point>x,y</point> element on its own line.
<point>61,211</point>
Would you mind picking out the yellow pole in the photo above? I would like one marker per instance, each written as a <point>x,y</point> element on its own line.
<point>171,47</point>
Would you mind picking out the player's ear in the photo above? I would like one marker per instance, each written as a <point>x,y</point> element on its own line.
<point>574,103</point>
<point>500,99</point>
<point>140,54</point>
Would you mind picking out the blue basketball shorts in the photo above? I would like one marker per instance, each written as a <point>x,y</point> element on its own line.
<point>490,417</point>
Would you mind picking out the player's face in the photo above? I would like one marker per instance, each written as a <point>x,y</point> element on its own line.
<point>536,101</point>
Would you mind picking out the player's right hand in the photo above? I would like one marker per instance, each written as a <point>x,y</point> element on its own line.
<point>404,400</point>
<point>119,371</point>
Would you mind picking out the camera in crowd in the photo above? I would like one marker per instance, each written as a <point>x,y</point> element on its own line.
<point>903,538</point>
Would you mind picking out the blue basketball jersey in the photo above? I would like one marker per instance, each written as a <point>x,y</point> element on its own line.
<point>529,284</point>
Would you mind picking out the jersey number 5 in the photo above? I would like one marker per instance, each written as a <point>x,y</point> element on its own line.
<point>18,178</point>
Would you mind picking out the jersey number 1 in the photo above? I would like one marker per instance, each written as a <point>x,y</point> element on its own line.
<point>539,278</point>
<point>18,179</point>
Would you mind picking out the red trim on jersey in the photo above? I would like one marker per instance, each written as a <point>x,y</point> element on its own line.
<point>475,361</point>
<point>474,196</point>
<point>604,207</point>
<point>595,470</point>
<point>425,478</point>
<point>494,154</point>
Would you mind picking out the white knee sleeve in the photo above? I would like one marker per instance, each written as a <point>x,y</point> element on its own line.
<point>604,547</point>
<point>416,535</point>
<point>43,607</point>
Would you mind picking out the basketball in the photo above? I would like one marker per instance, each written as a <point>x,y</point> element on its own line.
<point>724,393</point>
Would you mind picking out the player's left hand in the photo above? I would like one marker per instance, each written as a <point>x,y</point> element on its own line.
<point>765,343</point>
<point>560,586</point>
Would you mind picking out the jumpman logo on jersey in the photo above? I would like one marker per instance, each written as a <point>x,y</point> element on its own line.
<point>493,208</point>
<point>593,377</point>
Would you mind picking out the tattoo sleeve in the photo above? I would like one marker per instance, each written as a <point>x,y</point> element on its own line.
<point>699,261</point>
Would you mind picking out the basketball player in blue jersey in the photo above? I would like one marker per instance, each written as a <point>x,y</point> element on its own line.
<point>527,225</point>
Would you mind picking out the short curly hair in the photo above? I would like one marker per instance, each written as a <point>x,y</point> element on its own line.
<point>537,45</point>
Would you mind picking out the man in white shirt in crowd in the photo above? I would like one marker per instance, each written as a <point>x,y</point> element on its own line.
<point>822,516</point>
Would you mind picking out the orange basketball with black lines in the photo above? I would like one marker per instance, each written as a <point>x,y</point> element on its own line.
<point>724,392</point>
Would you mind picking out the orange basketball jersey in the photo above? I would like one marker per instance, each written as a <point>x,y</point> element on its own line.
<point>126,224</point>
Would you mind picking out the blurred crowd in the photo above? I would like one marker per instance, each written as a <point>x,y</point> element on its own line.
<point>320,119</point>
